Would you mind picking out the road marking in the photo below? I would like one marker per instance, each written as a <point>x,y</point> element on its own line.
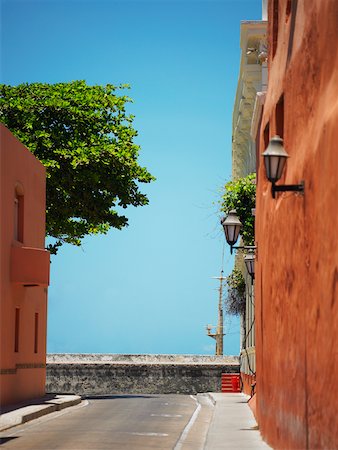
<point>166,415</point>
<point>180,404</point>
<point>191,422</point>
<point>148,434</point>
<point>175,404</point>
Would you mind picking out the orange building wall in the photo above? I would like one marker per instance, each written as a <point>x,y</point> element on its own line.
<point>248,382</point>
<point>24,274</point>
<point>297,259</point>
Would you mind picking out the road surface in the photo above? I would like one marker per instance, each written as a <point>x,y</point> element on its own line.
<point>115,422</point>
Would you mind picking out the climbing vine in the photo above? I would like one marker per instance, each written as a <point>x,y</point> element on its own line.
<point>235,300</point>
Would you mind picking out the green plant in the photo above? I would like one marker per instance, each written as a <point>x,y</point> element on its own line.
<point>241,196</point>
<point>84,137</point>
<point>235,300</point>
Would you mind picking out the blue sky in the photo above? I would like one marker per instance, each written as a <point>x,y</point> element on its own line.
<point>149,287</point>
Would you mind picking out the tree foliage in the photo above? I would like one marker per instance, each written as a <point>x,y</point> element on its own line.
<point>241,196</point>
<point>84,137</point>
<point>235,300</point>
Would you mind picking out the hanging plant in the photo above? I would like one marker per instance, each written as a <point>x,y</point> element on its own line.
<point>241,196</point>
<point>235,300</point>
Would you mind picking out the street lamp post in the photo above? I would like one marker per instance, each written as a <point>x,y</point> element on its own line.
<point>219,334</point>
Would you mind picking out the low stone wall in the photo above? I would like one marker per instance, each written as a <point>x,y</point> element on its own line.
<point>137,358</point>
<point>111,374</point>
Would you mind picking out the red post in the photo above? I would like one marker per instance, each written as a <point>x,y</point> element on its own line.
<point>235,383</point>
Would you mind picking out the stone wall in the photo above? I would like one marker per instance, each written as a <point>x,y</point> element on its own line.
<point>137,358</point>
<point>111,374</point>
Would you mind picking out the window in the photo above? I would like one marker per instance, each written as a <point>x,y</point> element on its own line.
<point>258,156</point>
<point>288,10</point>
<point>36,332</point>
<point>18,216</point>
<point>266,136</point>
<point>280,117</point>
<point>290,14</point>
<point>16,330</point>
<point>274,26</point>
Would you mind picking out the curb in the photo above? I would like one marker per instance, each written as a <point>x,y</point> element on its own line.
<point>211,397</point>
<point>27,413</point>
<point>214,401</point>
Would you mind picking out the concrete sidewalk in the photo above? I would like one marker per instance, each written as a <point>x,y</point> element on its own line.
<point>233,424</point>
<point>24,412</point>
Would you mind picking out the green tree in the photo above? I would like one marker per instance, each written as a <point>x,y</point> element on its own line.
<point>84,137</point>
<point>240,195</point>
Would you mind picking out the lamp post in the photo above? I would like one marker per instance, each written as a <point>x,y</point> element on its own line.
<point>219,334</point>
<point>275,157</point>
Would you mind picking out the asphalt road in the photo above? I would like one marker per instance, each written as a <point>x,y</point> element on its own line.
<point>121,422</point>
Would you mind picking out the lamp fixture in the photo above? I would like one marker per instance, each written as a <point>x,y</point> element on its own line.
<point>249,261</point>
<point>275,157</point>
<point>232,227</point>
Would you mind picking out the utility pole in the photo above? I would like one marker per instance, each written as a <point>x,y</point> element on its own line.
<point>218,335</point>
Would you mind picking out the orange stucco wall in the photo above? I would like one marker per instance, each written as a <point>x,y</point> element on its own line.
<point>247,383</point>
<point>297,259</point>
<point>24,274</point>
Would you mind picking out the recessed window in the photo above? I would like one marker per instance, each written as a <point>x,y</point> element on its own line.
<point>280,117</point>
<point>288,10</point>
<point>36,332</point>
<point>16,330</point>
<point>266,135</point>
<point>274,26</point>
<point>258,159</point>
<point>18,217</point>
<point>290,15</point>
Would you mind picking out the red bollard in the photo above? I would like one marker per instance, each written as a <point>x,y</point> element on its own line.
<point>235,383</point>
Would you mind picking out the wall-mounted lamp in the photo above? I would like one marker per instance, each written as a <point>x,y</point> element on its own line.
<point>249,261</point>
<point>232,227</point>
<point>275,157</point>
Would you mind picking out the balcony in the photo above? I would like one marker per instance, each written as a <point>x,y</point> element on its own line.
<point>30,266</point>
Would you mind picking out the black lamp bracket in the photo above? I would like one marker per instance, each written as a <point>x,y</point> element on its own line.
<point>287,187</point>
<point>244,247</point>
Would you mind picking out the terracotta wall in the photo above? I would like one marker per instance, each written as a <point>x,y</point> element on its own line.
<point>297,258</point>
<point>248,382</point>
<point>24,273</point>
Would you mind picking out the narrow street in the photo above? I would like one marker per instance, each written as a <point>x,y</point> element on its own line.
<point>109,422</point>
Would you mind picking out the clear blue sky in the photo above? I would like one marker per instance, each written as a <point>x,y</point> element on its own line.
<point>147,288</point>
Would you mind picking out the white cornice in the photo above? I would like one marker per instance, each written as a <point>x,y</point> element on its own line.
<point>252,40</point>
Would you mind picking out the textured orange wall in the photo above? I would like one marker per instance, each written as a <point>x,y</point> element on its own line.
<point>247,381</point>
<point>22,373</point>
<point>297,260</point>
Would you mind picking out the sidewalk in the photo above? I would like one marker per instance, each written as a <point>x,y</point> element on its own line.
<point>233,424</point>
<point>24,412</point>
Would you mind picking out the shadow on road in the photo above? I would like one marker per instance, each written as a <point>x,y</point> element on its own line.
<point>4,440</point>
<point>37,401</point>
